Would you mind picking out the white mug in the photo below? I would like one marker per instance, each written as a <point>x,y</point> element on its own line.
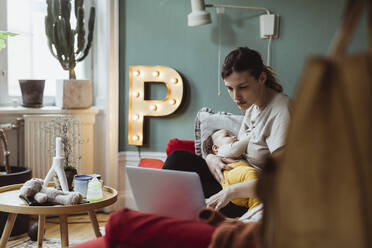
<point>81,184</point>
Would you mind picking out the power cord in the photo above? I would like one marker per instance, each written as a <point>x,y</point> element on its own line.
<point>139,153</point>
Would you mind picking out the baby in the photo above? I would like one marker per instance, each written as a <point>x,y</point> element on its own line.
<point>224,143</point>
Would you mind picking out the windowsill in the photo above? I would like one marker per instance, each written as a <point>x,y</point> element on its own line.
<point>47,110</point>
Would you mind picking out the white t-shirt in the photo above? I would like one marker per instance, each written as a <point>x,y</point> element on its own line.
<point>267,128</point>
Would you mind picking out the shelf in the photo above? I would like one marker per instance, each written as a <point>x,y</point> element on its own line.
<point>8,110</point>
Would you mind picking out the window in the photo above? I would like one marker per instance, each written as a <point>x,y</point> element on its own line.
<point>27,55</point>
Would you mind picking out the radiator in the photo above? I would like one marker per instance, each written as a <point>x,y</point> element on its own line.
<point>40,134</point>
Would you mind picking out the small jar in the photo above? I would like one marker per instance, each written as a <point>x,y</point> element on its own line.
<point>94,192</point>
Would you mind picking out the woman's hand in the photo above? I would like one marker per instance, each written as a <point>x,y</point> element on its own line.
<point>220,199</point>
<point>217,164</point>
<point>246,189</point>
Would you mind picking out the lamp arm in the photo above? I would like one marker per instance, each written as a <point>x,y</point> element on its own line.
<point>237,7</point>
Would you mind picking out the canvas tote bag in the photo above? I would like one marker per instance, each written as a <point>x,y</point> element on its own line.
<point>322,194</point>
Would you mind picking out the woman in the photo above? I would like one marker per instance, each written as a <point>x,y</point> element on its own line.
<point>255,90</point>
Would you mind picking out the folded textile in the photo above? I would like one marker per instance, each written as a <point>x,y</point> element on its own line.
<point>238,235</point>
<point>253,215</point>
<point>232,232</point>
<point>32,202</point>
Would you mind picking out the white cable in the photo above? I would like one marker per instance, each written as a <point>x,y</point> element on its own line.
<point>269,51</point>
<point>220,9</point>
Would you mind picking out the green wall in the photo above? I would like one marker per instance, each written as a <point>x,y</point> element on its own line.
<point>155,32</point>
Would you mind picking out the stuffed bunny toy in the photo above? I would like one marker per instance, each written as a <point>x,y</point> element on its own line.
<point>34,188</point>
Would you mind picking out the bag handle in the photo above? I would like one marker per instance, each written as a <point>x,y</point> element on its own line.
<point>351,16</point>
<point>369,23</point>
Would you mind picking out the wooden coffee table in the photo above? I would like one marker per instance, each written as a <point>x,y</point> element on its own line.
<point>12,204</point>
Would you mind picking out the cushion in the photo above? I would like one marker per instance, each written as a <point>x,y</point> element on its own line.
<point>151,163</point>
<point>176,144</point>
<point>207,121</point>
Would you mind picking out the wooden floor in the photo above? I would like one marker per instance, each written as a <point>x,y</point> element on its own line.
<point>79,228</point>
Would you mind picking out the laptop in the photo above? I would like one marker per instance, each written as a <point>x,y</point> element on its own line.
<point>169,193</point>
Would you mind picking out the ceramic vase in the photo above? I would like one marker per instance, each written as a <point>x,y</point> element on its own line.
<point>32,92</point>
<point>74,94</point>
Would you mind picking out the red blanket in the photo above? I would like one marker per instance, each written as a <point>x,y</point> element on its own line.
<point>131,229</point>
<point>127,228</point>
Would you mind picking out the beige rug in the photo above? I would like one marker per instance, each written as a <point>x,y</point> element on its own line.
<point>47,243</point>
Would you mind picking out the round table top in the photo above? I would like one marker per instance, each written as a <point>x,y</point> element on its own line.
<point>10,202</point>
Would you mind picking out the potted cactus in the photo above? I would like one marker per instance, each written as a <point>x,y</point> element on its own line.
<point>70,46</point>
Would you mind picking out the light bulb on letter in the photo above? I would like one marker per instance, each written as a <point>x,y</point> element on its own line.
<point>137,94</point>
<point>156,73</point>
<point>174,80</point>
<point>153,107</point>
<point>172,101</point>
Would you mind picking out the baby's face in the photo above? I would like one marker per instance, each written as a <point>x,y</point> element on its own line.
<point>223,137</point>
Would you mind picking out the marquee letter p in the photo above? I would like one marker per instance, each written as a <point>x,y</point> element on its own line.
<point>139,107</point>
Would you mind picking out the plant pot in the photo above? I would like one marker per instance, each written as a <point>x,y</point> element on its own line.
<point>32,92</point>
<point>18,175</point>
<point>70,178</point>
<point>74,94</point>
<point>70,174</point>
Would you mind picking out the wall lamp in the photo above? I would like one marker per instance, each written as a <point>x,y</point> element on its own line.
<point>269,25</point>
<point>199,16</point>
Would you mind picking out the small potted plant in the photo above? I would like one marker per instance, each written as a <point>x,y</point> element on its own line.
<point>70,46</point>
<point>62,127</point>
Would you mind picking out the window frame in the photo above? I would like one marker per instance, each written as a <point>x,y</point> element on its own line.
<point>5,99</point>
<point>8,100</point>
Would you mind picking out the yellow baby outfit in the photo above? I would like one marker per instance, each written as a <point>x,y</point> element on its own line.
<point>241,172</point>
